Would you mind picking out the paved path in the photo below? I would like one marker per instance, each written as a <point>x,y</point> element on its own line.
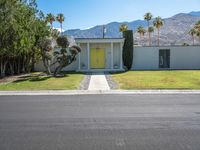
<point>100,122</point>
<point>98,82</point>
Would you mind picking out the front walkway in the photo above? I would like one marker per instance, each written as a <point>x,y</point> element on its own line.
<point>98,82</point>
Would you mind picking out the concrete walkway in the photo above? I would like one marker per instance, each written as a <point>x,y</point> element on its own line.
<point>98,82</point>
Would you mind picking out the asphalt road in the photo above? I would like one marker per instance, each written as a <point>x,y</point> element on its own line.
<point>100,122</point>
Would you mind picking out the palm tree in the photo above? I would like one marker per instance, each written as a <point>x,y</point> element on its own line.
<point>141,30</point>
<point>158,23</point>
<point>150,30</point>
<point>198,35</point>
<point>50,19</point>
<point>60,18</point>
<point>197,27</point>
<point>123,28</point>
<point>148,16</point>
<point>192,32</point>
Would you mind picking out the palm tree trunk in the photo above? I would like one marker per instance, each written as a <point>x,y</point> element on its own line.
<point>61,28</point>
<point>158,37</point>
<point>149,34</point>
<point>193,40</point>
<point>149,39</point>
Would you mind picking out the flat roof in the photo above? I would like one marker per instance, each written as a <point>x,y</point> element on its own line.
<point>96,38</point>
<point>99,40</point>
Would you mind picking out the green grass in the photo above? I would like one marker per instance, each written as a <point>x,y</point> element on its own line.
<point>35,82</point>
<point>158,79</point>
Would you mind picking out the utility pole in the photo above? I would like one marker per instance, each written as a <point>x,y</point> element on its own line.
<point>104,31</point>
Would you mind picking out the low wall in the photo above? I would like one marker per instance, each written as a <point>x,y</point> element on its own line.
<point>72,67</point>
<point>181,57</point>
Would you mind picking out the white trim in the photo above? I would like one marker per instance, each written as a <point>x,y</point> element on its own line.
<point>111,55</point>
<point>99,40</point>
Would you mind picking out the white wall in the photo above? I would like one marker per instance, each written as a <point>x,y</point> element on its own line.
<point>116,55</point>
<point>147,58</point>
<point>185,57</point>
<point>84,56</point>
<point>72,67</point>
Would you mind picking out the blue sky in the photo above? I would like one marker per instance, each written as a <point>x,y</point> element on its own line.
<point>84,14</point>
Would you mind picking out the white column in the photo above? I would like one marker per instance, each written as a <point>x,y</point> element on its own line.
<point>88,51</point>
<point>79,59</point>
<point>121,55</point>
<point>111,55</point>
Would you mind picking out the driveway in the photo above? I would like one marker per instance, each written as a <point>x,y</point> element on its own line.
<point>100,122</point>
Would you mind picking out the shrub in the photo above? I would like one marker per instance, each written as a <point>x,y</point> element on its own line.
<point>128,49</point>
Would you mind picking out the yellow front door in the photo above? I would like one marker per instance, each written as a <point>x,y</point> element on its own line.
<point>97,58</point>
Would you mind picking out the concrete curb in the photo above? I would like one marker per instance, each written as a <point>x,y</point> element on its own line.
<point>87,92</point>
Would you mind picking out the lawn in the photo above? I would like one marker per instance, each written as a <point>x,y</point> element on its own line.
<point>158,79</point>
<point>35,81</point>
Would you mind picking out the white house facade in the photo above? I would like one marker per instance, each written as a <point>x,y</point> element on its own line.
<point>100,54</point>
<point>166,57</point>
<point>106,55</point>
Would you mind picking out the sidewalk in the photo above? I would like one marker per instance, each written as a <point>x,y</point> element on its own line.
<point>98,82</point>
<point>97,92</point>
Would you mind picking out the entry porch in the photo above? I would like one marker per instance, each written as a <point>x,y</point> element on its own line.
<point>100,54</point>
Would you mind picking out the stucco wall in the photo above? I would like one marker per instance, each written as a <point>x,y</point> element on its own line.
<point>116,55</point>
<point>72,67</point>
<point>147,58</point>
<point>84,56</point>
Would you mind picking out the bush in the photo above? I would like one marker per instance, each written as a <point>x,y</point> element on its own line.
<point>128,49</point>
<point>62,41</point>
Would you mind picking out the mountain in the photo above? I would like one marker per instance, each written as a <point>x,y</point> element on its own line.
<point>195,13</point>
<point>174,32</point>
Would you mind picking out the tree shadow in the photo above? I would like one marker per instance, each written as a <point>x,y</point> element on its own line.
<point>32,79</point>
<point>43,76</point>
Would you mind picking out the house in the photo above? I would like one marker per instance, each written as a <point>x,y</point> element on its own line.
<point>105,54</point>
<point>100,54</point>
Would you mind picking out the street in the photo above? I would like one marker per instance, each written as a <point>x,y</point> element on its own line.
<point>100,122</point>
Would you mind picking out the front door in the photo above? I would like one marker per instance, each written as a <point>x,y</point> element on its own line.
<point>97,58</point>
<point>164,58</point>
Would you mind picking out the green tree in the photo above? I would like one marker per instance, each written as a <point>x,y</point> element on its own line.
<point>50,18</point>
<point>158,23</point>
<point>60,18</point>
<point>21,27</point>
<point>123,28</point>
<point>141,30</point>
<point>198,35</point>
<point>46,52</point>
<point>197,27</point>
<point>150,30</point>
<point>193,32</point>
<point>148,16</point>
<point>128,49</point>
<point>64,57</point>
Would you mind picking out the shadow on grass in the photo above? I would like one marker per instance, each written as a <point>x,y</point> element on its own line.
<point>44,76</point>
<point>33,79</point>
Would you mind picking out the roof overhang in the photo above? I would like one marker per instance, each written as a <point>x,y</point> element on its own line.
<point>99,40</point>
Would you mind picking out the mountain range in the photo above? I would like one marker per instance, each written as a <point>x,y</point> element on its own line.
<point>174,32</point>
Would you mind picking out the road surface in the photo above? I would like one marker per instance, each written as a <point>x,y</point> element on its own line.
<point>100,122</point>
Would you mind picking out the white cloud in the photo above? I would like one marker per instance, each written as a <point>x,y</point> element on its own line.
<point>59,29</point>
